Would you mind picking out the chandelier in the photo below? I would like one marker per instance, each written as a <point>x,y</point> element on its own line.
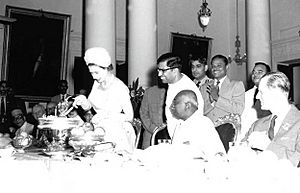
<point>204,15</point>
<point>238,59</point>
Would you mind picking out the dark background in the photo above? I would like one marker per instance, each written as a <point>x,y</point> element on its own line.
<point>190,45</point>
<point>30,37</point>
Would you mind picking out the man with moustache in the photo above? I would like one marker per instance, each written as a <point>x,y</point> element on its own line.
<point>169,71</point>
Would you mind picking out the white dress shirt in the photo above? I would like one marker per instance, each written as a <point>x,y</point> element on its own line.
<point>249,115</point>
<point>185,83</point>
<point>199,133</point>
<point>26,127</point>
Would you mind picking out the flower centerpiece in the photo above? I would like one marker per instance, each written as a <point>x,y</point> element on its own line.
<point>136,96</point>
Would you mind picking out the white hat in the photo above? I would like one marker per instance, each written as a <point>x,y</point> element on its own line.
<point>98,56</point>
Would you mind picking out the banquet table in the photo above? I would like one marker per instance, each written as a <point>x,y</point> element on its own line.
<point>157,169</point>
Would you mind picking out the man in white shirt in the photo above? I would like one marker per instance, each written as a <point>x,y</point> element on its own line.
<point>169,70</point>
<point>253,111</point>
<point>195,131</point>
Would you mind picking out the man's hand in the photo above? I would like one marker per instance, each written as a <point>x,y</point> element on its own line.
<point>213,92</point>
<point>259,140</point>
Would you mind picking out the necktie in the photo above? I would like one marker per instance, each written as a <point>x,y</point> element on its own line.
<point>271,129</point>
<point>254,97</point>
<point>217,86</point>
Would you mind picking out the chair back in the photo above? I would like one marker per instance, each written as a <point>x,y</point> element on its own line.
<point>228,128</point>
<point>156,130</point>
<point>137,125</point>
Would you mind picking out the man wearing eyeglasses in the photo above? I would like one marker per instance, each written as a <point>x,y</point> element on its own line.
<point>7,101</point>
<point>19,123</point>
<point>169,70</point>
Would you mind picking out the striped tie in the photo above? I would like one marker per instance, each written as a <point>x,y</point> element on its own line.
<point>271,129</point>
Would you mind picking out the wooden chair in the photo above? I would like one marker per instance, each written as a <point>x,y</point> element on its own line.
<point>228,128</point>
<point>137,125</point>
<point>155,132</point>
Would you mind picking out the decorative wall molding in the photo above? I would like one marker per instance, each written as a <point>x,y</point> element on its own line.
<point>289,32</point>
<point>286,49</point>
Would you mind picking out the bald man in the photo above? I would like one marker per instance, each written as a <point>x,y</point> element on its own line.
<point>195,131</point>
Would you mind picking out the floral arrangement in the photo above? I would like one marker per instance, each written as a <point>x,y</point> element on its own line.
<point>136,96</point>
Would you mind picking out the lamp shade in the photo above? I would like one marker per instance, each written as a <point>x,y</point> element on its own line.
<point>204,19</point>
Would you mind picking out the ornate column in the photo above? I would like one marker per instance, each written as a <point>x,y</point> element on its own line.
<point>100,24</point>
<point>142,40</point>
<point>258,32</point>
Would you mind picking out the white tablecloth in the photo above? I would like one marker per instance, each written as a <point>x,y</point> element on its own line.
<point>150,170</point>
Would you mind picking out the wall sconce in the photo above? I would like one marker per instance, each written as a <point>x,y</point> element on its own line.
<point>204,15</point>
<point>238,59</point>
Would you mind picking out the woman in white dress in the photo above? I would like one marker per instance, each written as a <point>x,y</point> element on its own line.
<point>110,99</point>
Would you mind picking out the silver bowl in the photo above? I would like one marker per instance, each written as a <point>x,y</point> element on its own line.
<point>56,131</point>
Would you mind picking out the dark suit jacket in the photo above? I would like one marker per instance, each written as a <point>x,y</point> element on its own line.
<point>152,111</point>
<point>231,99</point>
<point>286,142</point>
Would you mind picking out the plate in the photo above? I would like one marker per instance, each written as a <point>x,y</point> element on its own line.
<point>103,146</point>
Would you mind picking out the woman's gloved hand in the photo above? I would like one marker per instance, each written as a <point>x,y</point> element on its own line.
<point>82,101</point>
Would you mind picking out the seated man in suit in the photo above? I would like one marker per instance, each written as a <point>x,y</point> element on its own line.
<point>19,123</point>
<point>222,96</point>
<point>7,102</point>
<point>280,131</point>
<point>195,131</point>
<point>62,92</point>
